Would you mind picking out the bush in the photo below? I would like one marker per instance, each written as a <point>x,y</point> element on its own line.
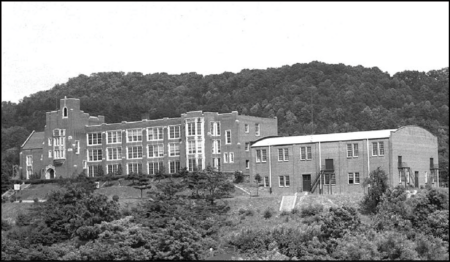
<point>285,213</point>
<point>295,211</point>
<point>115,198</point>
<point>238,177</point>
<point>311,210</point>
<point>23,220</point>
<point>36,200</point>
<point>267,213</point>
<point>6,225</point>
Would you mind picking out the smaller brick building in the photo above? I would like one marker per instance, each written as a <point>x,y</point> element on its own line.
<point>338,163</point>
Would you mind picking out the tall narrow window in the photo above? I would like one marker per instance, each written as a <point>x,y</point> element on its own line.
<point>266,181</point>
<point>246,128</point>
<point>247,146</point>
<point>247,164</point>
<point>215,128</point>
<point>263,155</point>
<point>77,146</point>
<point>305,153</point>
<point>225,157</point>
<point>257,130</point>
<point>231,157</point>
<point>228,137</point>
<point>258,156</point>
<point>174,149</point>
<point>155,133</point>
<point>65,113</point>
<point>375,149</point>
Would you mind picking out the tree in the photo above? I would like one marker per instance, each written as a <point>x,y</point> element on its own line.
<point>377,182</point>
<point>144,183</point>
<point>257,180</point>
<point>216,184</point>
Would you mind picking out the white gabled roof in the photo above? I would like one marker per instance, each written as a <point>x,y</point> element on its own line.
<point>289,140</point>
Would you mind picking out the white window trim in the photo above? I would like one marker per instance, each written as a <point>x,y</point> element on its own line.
<point>131,130</point>
<point>226,137</point>
<point>87,138</point>
<point>107,153</point>
<point>225,157</point>
<point>247,164</point>
<point>155,128</point>
<point>179,131</point>
<point>353,174</point>
<point>65,110</point>
<point>262,158</point>
<point>118,135</point>
<point>258,130</point>
<point>128,147</point>
<point>284,181</point>
<point>231,156</point>
<point>246,128</point>
<point>158,151</point>
<point>256,156</point>
<point>94,161</point>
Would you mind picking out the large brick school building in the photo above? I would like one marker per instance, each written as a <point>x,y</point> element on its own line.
<point>74,141</point>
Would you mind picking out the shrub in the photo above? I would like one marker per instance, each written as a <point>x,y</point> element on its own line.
<point>267,213</point>
<point>295,211</point>
<point>6,225</point>
<point>311,210</point>
<point>23,220</point>
<point>238,177</point>
<point>115,198</point>
<point>36,200</point>
<point>285,213</point>
<point>20,200</point>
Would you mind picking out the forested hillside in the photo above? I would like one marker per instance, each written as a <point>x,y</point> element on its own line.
<point>338,98</point>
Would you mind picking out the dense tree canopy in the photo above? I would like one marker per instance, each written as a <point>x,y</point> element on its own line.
<point>314,97</point>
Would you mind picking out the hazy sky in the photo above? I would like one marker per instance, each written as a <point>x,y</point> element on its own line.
<point>45,43</point>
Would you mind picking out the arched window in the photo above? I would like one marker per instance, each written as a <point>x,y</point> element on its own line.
<point>65,112</point>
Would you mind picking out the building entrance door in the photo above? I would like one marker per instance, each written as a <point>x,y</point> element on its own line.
<point>307,183</point>
<point>52,173</point>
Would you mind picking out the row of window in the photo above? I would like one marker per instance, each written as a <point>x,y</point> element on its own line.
<point>152,168</point>
<point>133,152</point>
<point>283,154</point>
<point>330,179</point>
<point>133,135</point>
<point>257,129</point>
<point>306,153</point>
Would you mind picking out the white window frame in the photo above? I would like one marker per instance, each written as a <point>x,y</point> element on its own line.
<point>263,155</point>
<point>247,164</point>
<point>155,133</point>
<point>174,166</point>
<point>132,152</point>
<point>231,156</point>
<point>114,168</point>
<point>352,176</point>
<point>247,146</point>
<point>49,141</point>
<point>352,150</point>
<point>156,152</point>
<point>285,179</point>
<point>77,147</point>
<point>174,149</point>
<point>134,165</point>
<point>118,153</point>
<point>29,160</point>
<point>216,146</point>
<point>50,154</point>
<point>257,129</point>
<point>214,128</point>
<point>130,133</point>
<point>174,132</point>
<point>258,155</point>
<point>228,137</point>
<point>98,137</point>
<point>156,166</point>
<point>246,128</point>
<point>308,155</point>
<point>284,153</point>
<point>191,147</point>
<point>95,157</point>
<point>114,137</point>
<point>225,157</point>
<point>65,112</point>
